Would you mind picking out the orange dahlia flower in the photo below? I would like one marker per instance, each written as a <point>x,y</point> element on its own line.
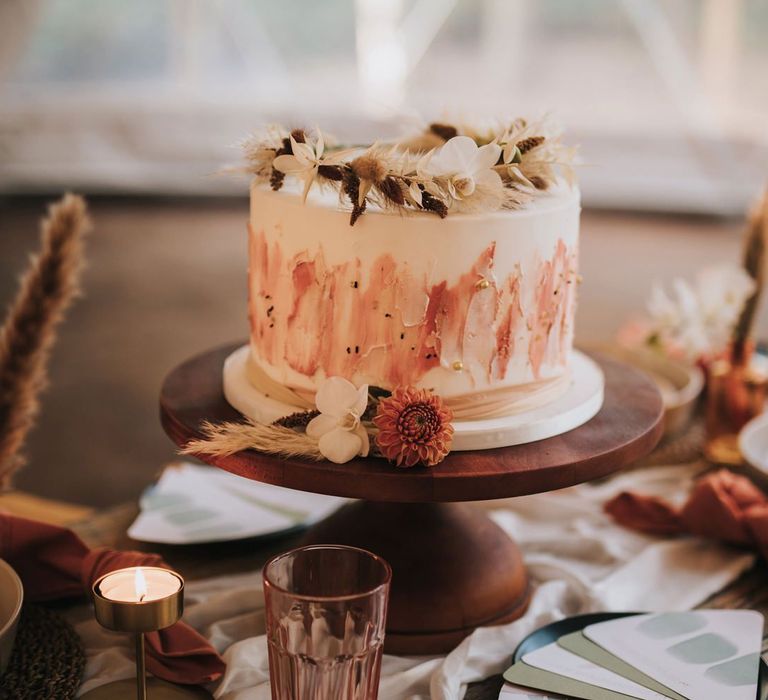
<point>414,427</point>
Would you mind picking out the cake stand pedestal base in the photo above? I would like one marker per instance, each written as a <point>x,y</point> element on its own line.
<point>453,569</point>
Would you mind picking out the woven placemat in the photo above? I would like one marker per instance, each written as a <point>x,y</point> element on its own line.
<point>47,660</point>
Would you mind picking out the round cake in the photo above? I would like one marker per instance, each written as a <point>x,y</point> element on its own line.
<point>464,297</point>
<point>477,308</point>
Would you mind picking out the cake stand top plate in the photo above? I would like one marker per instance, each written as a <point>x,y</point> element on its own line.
<point>626,428</point>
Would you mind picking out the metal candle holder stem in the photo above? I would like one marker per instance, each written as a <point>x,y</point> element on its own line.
<point>138,617</point>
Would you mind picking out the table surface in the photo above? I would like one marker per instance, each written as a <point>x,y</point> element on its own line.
<point>620,433</point>
<point>108,528</point>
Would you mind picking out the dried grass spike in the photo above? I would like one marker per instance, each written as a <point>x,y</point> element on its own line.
<point>530,143</point>
<point>433,204</point>
<point>391,191</point>
<point>754,263</point>
<point>444,131</point>
<point>330,172</point>
<point>223,439</point>
<point>369,167</point>
<point>29,331</point>
<point>350,183</point>
<point>277,178</point>
<point>300,419</point>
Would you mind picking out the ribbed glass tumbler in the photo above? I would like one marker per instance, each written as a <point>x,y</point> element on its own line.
<point>326,613</point>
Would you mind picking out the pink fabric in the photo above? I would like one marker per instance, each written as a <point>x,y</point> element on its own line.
<point>722,506</point>
<point>54,563</point>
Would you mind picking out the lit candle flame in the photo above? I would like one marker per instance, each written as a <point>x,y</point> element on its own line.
<point>141,585</point>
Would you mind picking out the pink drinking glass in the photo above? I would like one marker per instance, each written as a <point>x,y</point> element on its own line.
<point>326,612</point>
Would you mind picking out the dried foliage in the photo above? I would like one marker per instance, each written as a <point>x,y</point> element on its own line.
<point>300,419</point>
<point>350,184</point>
<point>444,131</point>
<point>754,263</point>
<point>224,439</point>
<point>528,158</point>
<point>29,330</point>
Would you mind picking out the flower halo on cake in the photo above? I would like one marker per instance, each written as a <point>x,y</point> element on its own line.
<point>446,168</point>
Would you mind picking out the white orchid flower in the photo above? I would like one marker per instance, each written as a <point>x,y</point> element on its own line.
<point>466,167</point>
<point>338,429</point>
<point>304,162</point>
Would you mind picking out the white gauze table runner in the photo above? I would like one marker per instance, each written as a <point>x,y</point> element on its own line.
<point>579,560</point>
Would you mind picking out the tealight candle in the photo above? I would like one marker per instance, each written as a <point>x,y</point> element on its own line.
<point>137,600</point>
<point>139,585</point>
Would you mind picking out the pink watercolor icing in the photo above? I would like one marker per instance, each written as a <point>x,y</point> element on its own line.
<point>396,327</point>
<point>550,319</point>
<point>505,333</point>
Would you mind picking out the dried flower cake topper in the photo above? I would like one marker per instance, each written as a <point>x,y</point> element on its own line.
<point>445,169</point>
<point>409,427</point>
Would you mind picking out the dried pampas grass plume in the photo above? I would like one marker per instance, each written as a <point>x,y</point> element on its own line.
<point>224,439</point>
<point>755,244</point>
<point>29,331</point>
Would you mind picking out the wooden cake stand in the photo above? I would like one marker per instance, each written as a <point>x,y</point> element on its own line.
<point>454,569</point>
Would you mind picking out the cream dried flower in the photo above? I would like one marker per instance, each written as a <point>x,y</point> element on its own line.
<point>371,168</point>
<point>698,319</point>
<point>465,171</point>
<point>305,159</point>
<point>338,429</point>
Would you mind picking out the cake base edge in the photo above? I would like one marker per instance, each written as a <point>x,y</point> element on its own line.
<point>581,402</point>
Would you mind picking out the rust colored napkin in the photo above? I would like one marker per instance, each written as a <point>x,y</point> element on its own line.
<point>54,563</point>
<point>722,506</point>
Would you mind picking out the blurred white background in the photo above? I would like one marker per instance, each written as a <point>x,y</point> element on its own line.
<point>668,98</point>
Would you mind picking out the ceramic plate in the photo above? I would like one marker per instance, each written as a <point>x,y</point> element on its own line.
<point>196,504</point>
<point>552,632</point>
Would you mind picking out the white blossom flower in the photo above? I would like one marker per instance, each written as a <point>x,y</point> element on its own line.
<point>698,319</point>
<point>338,429</point>
<point>466,170</point>
<point>305,160</point>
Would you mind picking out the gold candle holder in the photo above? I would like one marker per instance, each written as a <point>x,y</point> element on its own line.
<point>138,600</point>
